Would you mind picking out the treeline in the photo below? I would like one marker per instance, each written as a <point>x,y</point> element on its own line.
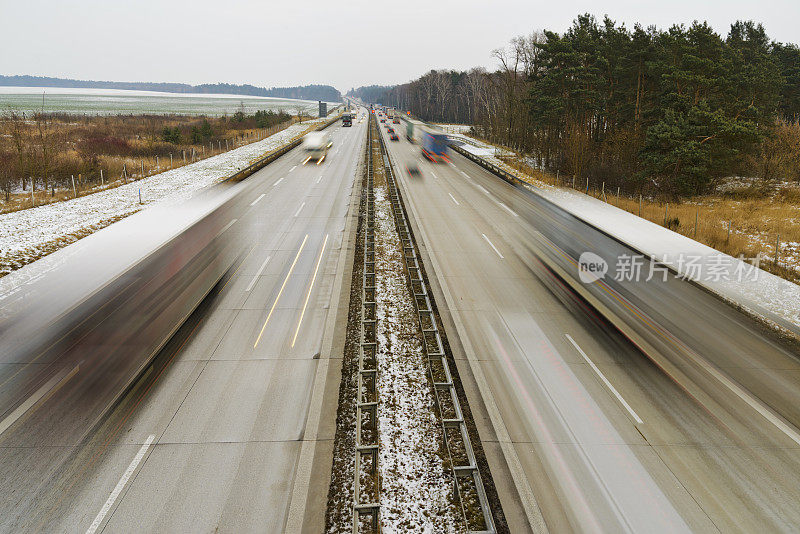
<point>370,93</point>
<point>665,111</point>
<point>325,93</point>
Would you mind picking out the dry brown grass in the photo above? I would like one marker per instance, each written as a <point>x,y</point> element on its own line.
<point>146,154</point>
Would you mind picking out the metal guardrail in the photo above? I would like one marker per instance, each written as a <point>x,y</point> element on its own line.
<point>505,175</point>
<point>366,483</point>
<point>469,489</point>
<point>272,156</point>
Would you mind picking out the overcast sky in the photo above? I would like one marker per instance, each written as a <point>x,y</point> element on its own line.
<point>296,42</point>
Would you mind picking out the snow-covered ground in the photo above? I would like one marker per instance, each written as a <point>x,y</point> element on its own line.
<point>761,293</point>
<point>455,128</point>
<point>27,235</point>
<point>415,493</point>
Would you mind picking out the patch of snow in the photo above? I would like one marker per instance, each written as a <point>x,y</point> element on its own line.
<point>415,494</point>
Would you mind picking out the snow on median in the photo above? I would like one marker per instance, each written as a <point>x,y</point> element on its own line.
<point>416,494</point>
<point>27,235</point>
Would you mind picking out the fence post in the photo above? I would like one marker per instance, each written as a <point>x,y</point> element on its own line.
<point>101,176</point>
<point>640,204</point>
<point>777,250</point>
<point>74,189</point>
<point>696,214</point>
<point>728,238</point>
<point>666,211</point>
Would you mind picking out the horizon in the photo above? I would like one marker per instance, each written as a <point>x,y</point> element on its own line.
<point>67,47</point>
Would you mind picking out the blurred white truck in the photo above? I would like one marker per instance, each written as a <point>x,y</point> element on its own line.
<point>316,145</point>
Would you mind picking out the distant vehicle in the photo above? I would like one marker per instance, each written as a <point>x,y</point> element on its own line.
<point>383,120</point>
<point>389,129</point>
<point>393,136</point>
<point>396,120</point>
<point>347,119</point>
<point>412,169</point>
<point>316,145</point>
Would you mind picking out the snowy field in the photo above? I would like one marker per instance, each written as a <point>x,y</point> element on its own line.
<point>764,294</point>
<point>27,235</point>
<point>124,102</point>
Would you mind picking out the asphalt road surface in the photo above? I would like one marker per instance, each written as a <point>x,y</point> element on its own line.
<point>229,429</point>
<point>594,435</point>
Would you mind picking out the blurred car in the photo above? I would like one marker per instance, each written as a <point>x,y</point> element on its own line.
<point>396,120</point>
<point>393,136</point>
<point>389,129</point>
<point>383,120</point>
<point>412,169</point>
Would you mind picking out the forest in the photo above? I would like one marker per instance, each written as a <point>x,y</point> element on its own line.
<point>665,112</point>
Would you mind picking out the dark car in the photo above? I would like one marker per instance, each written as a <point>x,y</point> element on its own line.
<point>383,120</point>
<point>393,136</point>
<point>412,169</point>
<point>390,130</point>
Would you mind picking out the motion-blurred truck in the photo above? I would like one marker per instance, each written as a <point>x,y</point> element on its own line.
<point>316,145</point>
<point>347,119</point>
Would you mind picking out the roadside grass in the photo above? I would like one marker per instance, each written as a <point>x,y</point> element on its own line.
<point>144,155</point>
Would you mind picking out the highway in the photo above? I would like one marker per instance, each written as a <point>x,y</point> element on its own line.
<point>582,431</point>
<point>231,427</point>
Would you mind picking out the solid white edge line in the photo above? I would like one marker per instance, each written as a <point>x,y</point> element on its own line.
<point>454,199</point>
<point>605,380</point>
<point>300,209</point>
<point>120,486</point>
<point>260,269</point>
<point>52,385</point>
<point>226,228</point>
<point>492,245</point>
<point>253,203</point>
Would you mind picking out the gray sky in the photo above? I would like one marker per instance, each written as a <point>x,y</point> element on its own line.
<point>296,42</point>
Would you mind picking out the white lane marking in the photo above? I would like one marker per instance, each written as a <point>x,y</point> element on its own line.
<point>454,199</point>
<point>253,203</point>
<point>508,209</point>
<point>120,485</point>
<point>226,228</point>
<point>465,174</point>
<point>280,292</point>
<point>605,380</point>
<point>434,175</point>
<point>47,389</point>
<point>310,287</point>
<point>479,186</point>
<point>492,245</point>
<point>320,178</point>
<point>300,209</point>
<point>260,270</point>
<point>293,168</point>
<point>279,181</point>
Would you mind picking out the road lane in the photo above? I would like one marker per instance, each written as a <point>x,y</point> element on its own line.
<point>587,458</point>
<point>228,416</point>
